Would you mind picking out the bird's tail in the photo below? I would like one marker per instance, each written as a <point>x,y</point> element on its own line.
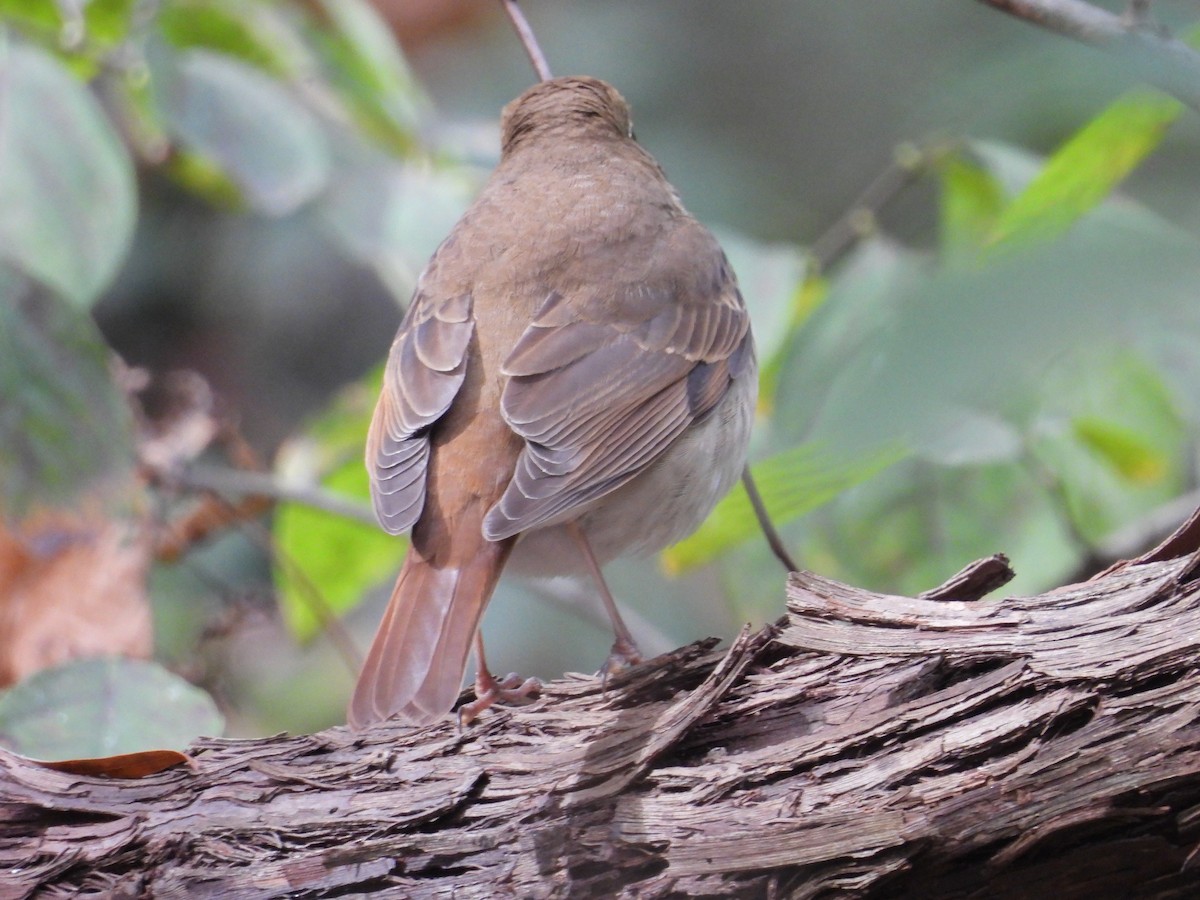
<point>416,663</point>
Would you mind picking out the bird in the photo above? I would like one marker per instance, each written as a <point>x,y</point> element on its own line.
<point>574,381</point>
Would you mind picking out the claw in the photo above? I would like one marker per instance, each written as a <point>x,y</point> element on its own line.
<point>489,690</point>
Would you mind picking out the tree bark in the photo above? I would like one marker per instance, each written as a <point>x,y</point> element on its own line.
<point>865,745</point>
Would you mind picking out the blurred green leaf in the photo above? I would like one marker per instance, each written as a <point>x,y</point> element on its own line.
<point>101,707</point>
<point>107,21</point>
<point>264,139</point>
<point>1088,167</point>
<point>862,305</point>
<point>224,28</point>
<point>63,422</point>
<point>41,16</point>
<point>986,334</point>
<point>961,436</point>
<point>1126,451</point>
<point>392,216</point>
<point>792,483</point>
<point>67,196</point>
<point>201,176</point>
<point>365,65</point>
<point>90,26</point>
<point>971,200</point>
<point>779,298</point>
<point>809,294</point>
<point>906,530</point>
<point>328,560</point>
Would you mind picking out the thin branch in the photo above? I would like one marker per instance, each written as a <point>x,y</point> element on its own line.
<point>908,163</point>
<point>240,483</point>
<point>1153,56</point>
<point>528,39</point>
<point>774,541</point>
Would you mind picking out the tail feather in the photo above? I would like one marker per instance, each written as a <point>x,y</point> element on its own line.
<point>416,662</point>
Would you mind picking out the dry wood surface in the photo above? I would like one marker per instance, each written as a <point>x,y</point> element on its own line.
<point>951,745</point>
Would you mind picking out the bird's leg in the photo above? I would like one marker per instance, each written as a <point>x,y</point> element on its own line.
<point>489,689</point>
<point>625,650</point>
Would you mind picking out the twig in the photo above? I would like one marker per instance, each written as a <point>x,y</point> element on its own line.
<point>859,221</point>
<point>764,522</point>
<point>1152,56</point>
<point>528,39</point>
<point>240,483</point>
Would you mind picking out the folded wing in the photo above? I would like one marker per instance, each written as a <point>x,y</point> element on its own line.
<point>611,372</point>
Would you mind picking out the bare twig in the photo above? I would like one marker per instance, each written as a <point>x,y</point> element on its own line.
<point>1157,58</point>
<point>528,39</point>
<point>774,541</point>
<point>240,483</point>
<point>908,163</point>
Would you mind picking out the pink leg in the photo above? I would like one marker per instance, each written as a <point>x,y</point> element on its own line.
<point>625,650</point>
<point>488,689</point>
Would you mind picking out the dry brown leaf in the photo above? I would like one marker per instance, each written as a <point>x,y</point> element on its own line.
<point>72,585</point>
<point>123,765</point>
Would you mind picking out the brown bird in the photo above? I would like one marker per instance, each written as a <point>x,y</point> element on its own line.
<point>574,381</point>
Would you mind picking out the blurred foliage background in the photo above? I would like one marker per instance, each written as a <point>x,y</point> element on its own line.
<point>971,251</point>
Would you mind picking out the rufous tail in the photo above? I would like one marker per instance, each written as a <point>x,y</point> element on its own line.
<point>416,663</point>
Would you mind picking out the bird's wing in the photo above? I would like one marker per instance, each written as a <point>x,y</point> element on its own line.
<point>614,367</point>
<point>425,369</point>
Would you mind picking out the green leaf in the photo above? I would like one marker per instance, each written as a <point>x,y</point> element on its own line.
<point>858,308</point>
<point>38,16</point>
<point>107,21</point>
<point>91,26</point>
<point>63,422</point>
<point>779,297</point>
<point>365,66</point>
<point>327,561</point>
<point>392,216</point>
<point>264,139</point>
<point>1088,167</point>
<point>225,29</point>
<point>1123,449</point>
<point>792,483</point>
<point>989,333</point>
<point>101,707</point>
<point>971,200</point>
<point>808,297</point>
<point>67,196</point>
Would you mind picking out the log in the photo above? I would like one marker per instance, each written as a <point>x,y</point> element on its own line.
<point>865,745</point>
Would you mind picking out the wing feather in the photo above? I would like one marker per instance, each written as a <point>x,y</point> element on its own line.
<point>602,383</point>
<point>425,369</point>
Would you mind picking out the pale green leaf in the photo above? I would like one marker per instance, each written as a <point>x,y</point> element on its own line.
<point>792,483</point>
<point>1126,451</point>
<point>102,707</point>
<point>364,63</point>
<point>249,124</point>
<point>67,196</point>
<point>971,200</point>
<point>63,421</point>
<point>1088,167</point>
<point>327,561</point>
<point>229,29</point>
<point>392,216</point>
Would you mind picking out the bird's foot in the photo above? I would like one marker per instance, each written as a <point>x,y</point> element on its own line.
<point>623,655</point>
<point>489,690</point>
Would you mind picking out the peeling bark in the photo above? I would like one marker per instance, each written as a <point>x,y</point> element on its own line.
<point>865,745</point>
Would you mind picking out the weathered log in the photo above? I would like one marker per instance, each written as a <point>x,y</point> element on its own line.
<point>865,745</point>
